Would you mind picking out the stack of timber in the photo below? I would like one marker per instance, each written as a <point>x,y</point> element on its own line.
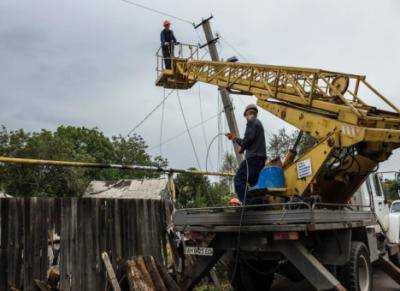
<point>146,273</point>
<point>124,228</point>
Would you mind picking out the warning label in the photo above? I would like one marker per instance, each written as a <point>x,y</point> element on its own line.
<point>304,169</point>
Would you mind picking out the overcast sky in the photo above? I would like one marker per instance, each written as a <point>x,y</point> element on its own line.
<point>91,63</point>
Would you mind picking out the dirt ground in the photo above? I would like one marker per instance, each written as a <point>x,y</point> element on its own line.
<point>381,282</point>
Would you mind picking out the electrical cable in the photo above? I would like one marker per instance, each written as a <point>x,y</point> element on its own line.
<point>188,130</point>
<point>162,122</point>
<point>209,146</point>
<point>158,11</point>
<point>150,113</point>
<point>234,49</point>
<point>219,129</point>
<point>240,224</point>
<point>208,151</point>
<point>182,133</point>
<point>202,121</point>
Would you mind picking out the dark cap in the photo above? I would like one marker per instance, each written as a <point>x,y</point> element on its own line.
<point>250,107</point>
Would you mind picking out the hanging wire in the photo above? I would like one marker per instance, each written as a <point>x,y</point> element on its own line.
<point>162,122</point>
<point>219,127</point>
<point>183,132</point>
<point>202,121</point>
<point>158,11</point>
<point>234,49</point>
<point>150,113</point>
<point>188,130</point>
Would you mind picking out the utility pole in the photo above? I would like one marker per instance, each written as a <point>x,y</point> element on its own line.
<point>226,101</point>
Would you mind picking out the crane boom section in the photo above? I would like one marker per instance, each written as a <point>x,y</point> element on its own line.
<point>352,136</point>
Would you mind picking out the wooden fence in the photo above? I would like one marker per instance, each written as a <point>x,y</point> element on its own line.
<point>122,227</point>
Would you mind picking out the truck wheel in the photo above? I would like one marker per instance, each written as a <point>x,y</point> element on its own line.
<point>251,278</point>
<point>357,273</point>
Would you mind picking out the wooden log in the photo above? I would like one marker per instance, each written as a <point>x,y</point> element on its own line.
<point>53,277</point>
<point>135,277</point>
<point>390,269</point>
<point>145,273</point>
<point>110,272</point>
<point>168,281</point>
<point>43,286</point>
<point>215,279</point>
<point>155,275</point>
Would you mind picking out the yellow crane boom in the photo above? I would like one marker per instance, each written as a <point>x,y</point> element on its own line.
<point>353,137</point>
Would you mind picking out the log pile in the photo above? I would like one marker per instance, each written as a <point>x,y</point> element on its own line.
<point>139,274</point>
<point>146,274</point>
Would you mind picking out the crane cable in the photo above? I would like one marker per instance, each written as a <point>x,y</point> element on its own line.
<point>159,12</point>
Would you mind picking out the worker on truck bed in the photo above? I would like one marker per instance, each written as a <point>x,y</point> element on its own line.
<point>168,41</point>
<point>253,144</point>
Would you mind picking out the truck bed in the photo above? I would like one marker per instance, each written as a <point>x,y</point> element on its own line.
<point>273,217</point>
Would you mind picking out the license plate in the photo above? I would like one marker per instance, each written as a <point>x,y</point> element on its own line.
<point>199,251</point>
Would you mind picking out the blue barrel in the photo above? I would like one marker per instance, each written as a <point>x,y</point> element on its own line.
<point>270,177</point>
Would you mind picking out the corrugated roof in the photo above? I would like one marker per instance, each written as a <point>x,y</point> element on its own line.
<point>4,195</point>
<point>123,189</point>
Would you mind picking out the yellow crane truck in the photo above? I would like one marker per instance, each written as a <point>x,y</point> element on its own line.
<point>331,240</point>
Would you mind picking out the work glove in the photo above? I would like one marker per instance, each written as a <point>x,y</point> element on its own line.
<point>234,202</point>
<point>230,135</point>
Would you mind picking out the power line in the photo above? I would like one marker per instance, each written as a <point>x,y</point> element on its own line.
<point>202,121</point>
<point>162,122</point>
<point>158,11</point>
<point>188,130</point>
<point>150,113</point>
<point>183,132</point>
<point>234,49</point>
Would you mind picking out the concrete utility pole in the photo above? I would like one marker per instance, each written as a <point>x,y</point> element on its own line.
<point>226,101</point>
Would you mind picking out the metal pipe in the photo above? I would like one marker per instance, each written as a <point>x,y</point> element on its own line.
<point>387,101</point>
<point>39,162</point>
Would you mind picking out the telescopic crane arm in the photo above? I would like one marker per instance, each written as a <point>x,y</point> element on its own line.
<point>352,136</point>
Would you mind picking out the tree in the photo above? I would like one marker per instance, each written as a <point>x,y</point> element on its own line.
<point>280,143</point>
<point>193,190</point>
<point>199,191</point>
<point>229,165</point>
<point>73,144</point>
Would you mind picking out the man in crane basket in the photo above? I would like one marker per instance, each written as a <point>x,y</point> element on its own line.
<point>168,41</point>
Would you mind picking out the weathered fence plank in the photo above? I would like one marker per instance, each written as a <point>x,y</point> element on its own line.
<point>87,227</point>
<point>3,243</point>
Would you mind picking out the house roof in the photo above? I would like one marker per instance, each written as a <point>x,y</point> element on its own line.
<point>4,195</point>
<point>124,189</point>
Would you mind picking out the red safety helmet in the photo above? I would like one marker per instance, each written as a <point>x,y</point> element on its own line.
<point>167,23</point>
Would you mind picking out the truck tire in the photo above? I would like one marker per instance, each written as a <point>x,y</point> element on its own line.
<point>356,275</point>
<point>247,278</point>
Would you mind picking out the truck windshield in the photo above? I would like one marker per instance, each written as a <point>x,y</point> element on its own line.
<point>395,208</point>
